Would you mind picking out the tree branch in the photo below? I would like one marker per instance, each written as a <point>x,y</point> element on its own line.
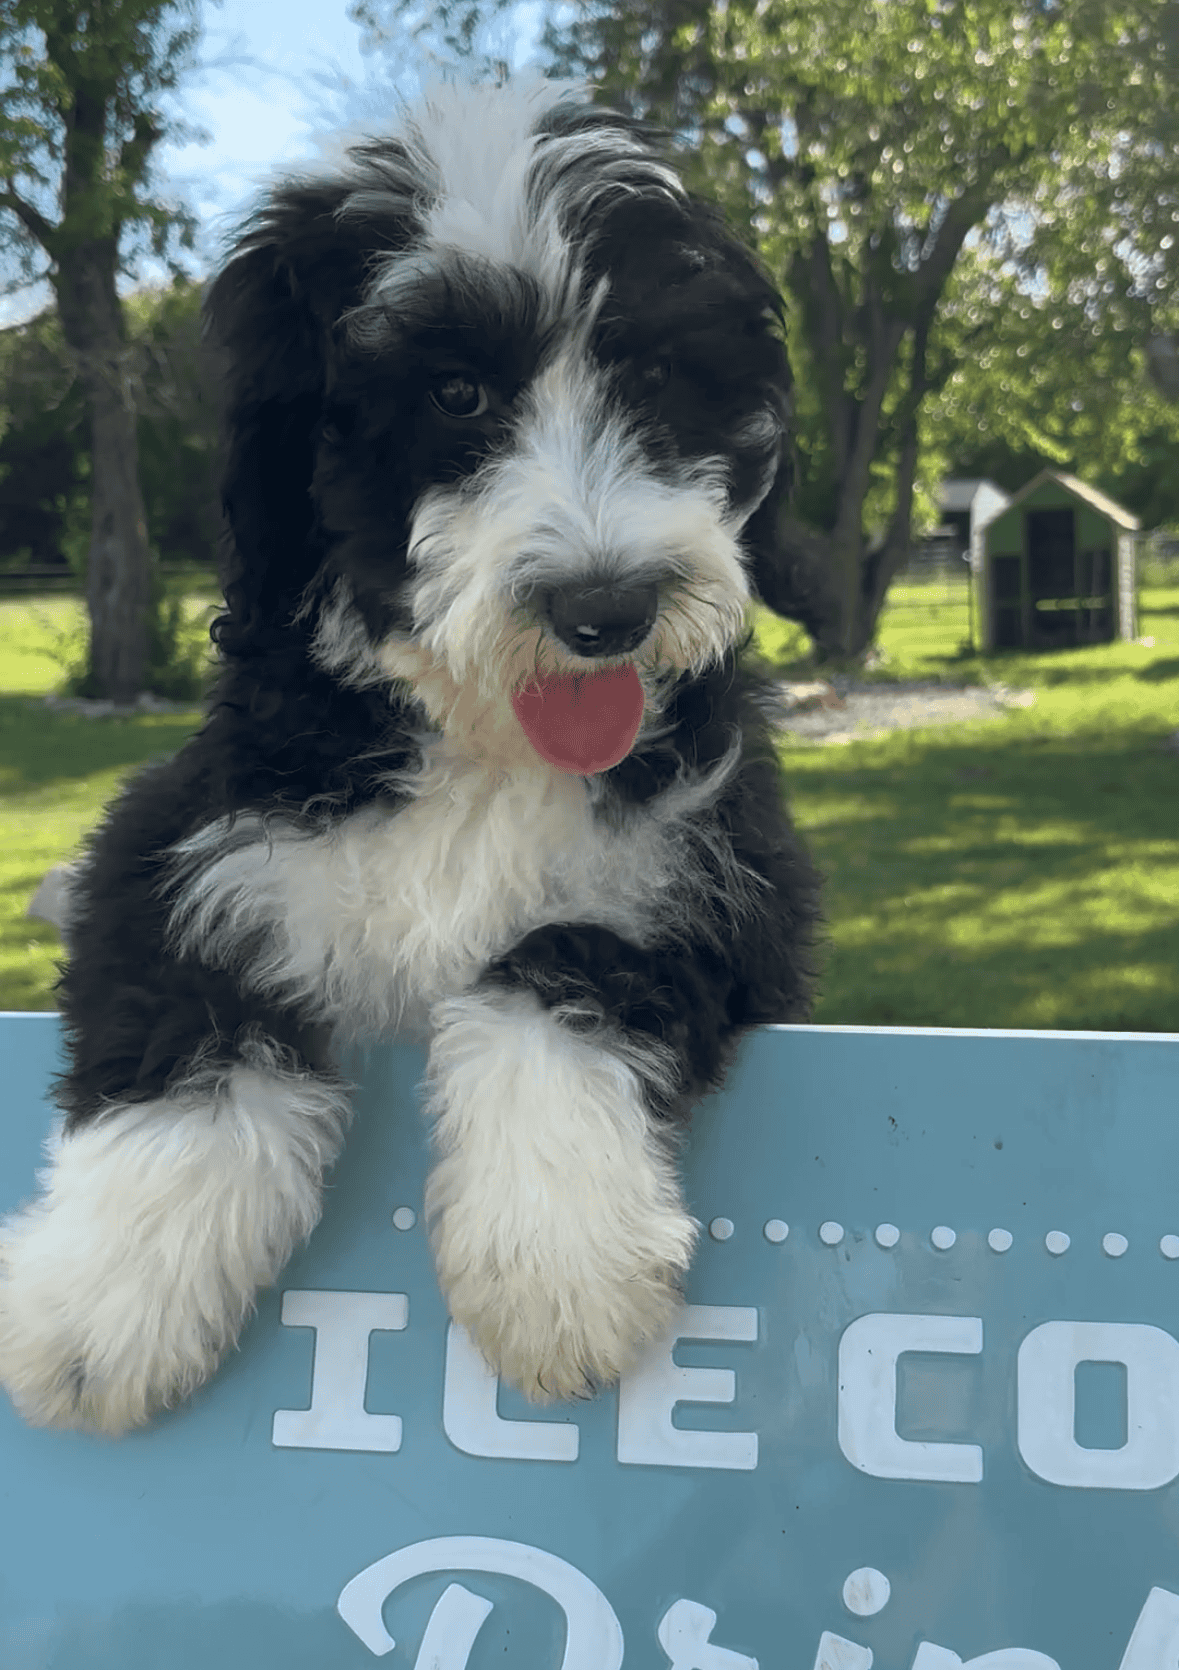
<point>963,214</point>
<point>884,562</point>
<point>138,146</point>
<point>812,279</point>
<point>797,582</point>
<point>885,339</point>
<point>30,218</point>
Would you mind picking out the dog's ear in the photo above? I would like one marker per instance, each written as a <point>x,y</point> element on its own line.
<point>787,561</point>
<point>273,324</point>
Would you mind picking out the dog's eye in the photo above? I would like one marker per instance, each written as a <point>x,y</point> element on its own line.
<point>655,375</point>
<point>338,424</point>
<point>460,396</point>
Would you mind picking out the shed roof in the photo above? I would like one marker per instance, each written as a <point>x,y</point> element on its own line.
<point>960,492</point>
<point>1092,496</point>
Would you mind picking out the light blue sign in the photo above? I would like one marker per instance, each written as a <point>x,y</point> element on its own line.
<point>921,1411</point>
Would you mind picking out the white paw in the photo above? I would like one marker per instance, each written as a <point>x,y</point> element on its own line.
<point>101,1346</point>
<point>124,1283</point>
<point>563,1327</point>
<point>559,1233</point>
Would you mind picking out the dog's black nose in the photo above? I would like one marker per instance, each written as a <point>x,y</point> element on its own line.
<point>602,619</point>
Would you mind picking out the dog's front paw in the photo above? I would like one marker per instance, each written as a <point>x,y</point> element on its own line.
<point>567,1324</point>
<point>98,1348</point>
<point>559,1231</point>
<point>127,1279</point>
<point>56,1377</point>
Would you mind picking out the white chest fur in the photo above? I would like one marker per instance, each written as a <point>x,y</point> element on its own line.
<point>374,917</point>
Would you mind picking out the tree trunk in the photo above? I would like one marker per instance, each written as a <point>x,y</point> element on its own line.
<point>836,591</point>
<point>119,567</point>
<point>883,562</point>
<point>834,583</point>
<point>841,577</point>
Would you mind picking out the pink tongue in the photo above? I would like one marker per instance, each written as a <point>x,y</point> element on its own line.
<point>582,724</point>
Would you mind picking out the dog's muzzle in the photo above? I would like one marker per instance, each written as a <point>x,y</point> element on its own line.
<point>601,620</point>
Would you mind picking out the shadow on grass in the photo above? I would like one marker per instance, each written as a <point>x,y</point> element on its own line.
<point>1016,668</point>
<point>1105,982</point>
<point>1160,671</point>
<point>997,882</point>
<point>38,746</point>
<point>1051,669</point>
<point>31,953</point>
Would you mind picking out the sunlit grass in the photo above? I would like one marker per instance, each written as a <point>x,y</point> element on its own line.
<point>39,637</point>
<point>1021,872</point>
<point>43,637</point>
<point>1016,873</point>
<point>57,772</point>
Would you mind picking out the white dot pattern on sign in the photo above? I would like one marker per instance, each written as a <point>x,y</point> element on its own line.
<point>866,1591</point>
<point>888,1235</point>
<point>404,1217</point>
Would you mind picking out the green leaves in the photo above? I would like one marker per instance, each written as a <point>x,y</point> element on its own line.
<point>1039,379</point>
<point>82,109</point>
<point>45,441</point>
<point>922,176</point>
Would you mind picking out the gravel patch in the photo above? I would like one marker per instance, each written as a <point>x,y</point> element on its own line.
<point>839,710</point>
<point>94,708</point>
<point>821,711</point>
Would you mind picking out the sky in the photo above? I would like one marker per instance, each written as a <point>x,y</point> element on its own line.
<point>274,74</point>
<point>273,70</point>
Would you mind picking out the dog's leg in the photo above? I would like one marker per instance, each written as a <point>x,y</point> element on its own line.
<point>125,1281</point>
<point>559,1231</point>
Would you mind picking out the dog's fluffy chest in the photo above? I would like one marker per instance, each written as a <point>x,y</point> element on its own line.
<point>394,906</point>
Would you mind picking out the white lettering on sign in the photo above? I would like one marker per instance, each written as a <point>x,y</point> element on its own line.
<point>649,1393</point>
<point>837,1653</point>
<point>930,1657</point>
<point>337,1418</point>
<point>1046,1425</point>
<point>472,1422</point>
<point>1154,1645</point>
<point>593,1635</point>
<point>685,1634</point>
<point>868,1355</point>
<point>869,1352</point>
<point>451,1629</point>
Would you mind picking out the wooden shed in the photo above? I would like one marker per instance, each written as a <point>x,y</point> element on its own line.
<point>1055,568</point>
<point>965,504</point>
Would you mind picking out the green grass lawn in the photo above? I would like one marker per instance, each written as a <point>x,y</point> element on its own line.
<point>57,771</point>
<point>1017,873</point>
<point>1021,872</point>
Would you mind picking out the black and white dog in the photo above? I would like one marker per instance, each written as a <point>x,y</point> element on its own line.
<point>506,417</point>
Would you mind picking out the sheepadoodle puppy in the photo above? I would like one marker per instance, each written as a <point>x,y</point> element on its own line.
<point>506,419</point>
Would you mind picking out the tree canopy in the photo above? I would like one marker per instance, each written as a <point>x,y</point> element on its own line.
<point>45,463</point>
<point>84,94</point>
<point>1046,382</point>
<point>869,147</point>
<point>84,103</point>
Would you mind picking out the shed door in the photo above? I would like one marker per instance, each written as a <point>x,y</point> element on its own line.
<point>1007,601</point>
<point>1052,576</point>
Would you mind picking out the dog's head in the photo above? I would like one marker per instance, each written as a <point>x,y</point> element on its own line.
<point>507,415</point>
